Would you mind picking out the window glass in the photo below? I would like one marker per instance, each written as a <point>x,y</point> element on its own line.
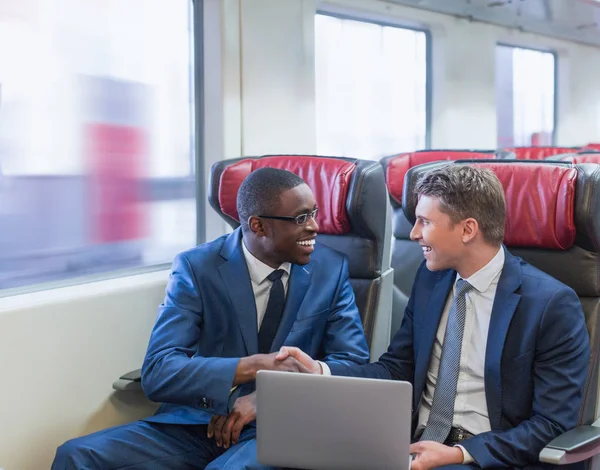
<point>96,136</point>
<point>371,88</point>
<point>525,98</point>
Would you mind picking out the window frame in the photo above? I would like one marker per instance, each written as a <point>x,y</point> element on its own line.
<point>554,53</point>
<point>390,22</point>
<point>198,155</point>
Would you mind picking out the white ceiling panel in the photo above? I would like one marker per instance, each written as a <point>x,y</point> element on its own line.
<point>574,20</point>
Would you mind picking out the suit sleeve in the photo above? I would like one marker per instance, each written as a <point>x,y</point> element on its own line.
<point>170,372</point>
<point>344,341</point>
<point>397,362</point>
<point>559,372</point>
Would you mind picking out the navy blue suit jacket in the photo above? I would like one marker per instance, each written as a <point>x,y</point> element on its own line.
<point>535,366</point>
<point>208,321</point>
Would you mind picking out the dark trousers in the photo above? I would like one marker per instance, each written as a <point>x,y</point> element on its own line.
<point>155,446</point>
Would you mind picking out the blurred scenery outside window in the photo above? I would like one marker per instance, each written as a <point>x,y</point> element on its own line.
<point>96,136</point>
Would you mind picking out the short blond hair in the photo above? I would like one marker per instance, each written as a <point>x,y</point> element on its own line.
<point>468,191</point>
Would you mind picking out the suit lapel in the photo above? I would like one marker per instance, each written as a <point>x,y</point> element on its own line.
<point>297,286</point>
<point>429,324</point>
<point>236,278</point>
<point>505,304</point>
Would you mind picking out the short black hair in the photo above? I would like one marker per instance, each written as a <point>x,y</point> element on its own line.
<point>260,190</point>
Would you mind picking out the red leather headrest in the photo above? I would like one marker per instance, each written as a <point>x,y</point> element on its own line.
<point>593,146</point>
<point>329,178</point>
<point>399,165</point>
<point>540,203</point>
<point>539,153</point>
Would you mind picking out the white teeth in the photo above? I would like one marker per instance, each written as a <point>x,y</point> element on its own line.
<point>306,242</point>
<point>426,249</point>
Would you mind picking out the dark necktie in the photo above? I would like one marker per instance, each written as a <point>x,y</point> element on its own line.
<point>270,323</point>
<point>442,408</point>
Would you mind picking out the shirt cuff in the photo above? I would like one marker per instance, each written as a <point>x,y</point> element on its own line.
<point>234,393</point>
<point>467,458</point>
<point>325,370</point>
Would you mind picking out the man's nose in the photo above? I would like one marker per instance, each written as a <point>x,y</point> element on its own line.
<point>312,224</point>
<point>415,233</point>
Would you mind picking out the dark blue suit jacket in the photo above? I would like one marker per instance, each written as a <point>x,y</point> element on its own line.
<point>535,366</point>
<point>208,321</point>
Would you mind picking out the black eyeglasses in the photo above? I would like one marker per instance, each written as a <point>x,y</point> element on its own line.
<point>301,219</point>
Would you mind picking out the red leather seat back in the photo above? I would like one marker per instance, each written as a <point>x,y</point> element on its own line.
<point>396,166</point>
<point>539,153</point>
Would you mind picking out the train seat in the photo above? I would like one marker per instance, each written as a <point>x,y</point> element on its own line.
<point>406,254</point>
<point>539,153</point>
<point>558,231</point>
<point>354,219</point>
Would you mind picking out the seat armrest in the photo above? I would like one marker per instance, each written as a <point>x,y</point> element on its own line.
<point>129,382</point>
<point>573,446</point>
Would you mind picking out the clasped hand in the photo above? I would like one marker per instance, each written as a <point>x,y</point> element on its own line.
<point>227,429</point>
<point>307,362</point>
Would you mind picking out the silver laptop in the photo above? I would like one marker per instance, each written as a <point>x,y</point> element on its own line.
<point>327,422</point>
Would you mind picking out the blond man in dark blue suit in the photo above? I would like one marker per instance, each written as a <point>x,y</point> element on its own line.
<point>497,351</point>
<point>229,305</point>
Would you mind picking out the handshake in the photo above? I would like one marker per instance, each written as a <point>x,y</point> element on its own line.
<point>292,359</point>
<point>288,359</point>
<point>226,430</point>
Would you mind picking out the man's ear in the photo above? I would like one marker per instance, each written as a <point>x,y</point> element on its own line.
<point>256,225</point>
<point>470,229</point>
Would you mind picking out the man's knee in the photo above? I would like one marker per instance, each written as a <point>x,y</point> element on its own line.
<point>83,453</point>
<point>69,455</point>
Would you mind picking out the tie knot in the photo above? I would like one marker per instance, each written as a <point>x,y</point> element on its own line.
<point>462,287</point>
<point>275,275</point>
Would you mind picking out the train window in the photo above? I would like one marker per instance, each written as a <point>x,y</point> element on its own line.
<point>525,96</point>
<point>371,88</point>
<point>96,137</point>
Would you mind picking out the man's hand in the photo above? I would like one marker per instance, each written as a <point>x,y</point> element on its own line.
<point>249,366</point>
<point>226,429</point>
<point>312,366</point>
<point>429,454</point>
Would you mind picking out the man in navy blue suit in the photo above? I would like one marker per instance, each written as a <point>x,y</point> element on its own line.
<point>497,351</point>
<point>230,305</point>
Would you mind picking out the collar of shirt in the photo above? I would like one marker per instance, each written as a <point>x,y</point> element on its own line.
<point>259,270</point>
<point>482,279</point>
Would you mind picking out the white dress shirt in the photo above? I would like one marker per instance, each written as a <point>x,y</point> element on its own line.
<point>470,406</point>
<point>261,287</point>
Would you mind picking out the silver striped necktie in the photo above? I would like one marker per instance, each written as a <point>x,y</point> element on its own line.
<point>442,409</point>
